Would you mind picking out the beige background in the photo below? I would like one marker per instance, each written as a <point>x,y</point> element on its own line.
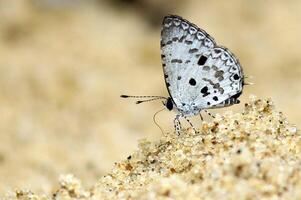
<point>63,65</point>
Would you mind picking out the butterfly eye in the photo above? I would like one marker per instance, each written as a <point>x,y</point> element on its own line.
<point>202,60</point>
<point>169,104</point>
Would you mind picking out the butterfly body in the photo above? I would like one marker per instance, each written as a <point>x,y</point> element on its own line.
<point>199,74</point>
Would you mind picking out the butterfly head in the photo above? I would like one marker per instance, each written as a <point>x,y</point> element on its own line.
<point>168,103</point>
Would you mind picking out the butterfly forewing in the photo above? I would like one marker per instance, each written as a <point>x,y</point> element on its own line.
<point>198,73</point>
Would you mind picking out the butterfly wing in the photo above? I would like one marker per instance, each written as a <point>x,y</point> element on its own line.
<point>198,73</point>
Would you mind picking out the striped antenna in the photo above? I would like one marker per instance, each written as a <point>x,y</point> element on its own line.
<point>150,98</point>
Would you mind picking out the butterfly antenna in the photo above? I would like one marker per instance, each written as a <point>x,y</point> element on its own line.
<point>152,98</point>
<point>201,117</point>
<point>154,119</point>
<point>137,96</point>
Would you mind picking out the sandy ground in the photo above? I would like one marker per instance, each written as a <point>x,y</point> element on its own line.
<point>253,154</point>
<point>64,64</point>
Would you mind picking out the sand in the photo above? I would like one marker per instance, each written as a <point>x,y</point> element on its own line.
<point>254,154</point>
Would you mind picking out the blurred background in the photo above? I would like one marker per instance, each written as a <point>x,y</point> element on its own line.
<point>64,63</point>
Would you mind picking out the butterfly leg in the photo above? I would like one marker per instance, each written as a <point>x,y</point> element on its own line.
<point>190,124</point>
<point>177,124</point>
<point>211,115</point>
<point>201,117</point>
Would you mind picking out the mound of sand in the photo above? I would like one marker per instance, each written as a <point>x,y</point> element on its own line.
<point>254,154</point>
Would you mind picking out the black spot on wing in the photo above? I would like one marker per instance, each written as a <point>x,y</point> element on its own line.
<point>215,98</point>
<point>219,75</point>
<point>192,82</point>
<point>204,91</point>
<point>194,50</point>
<point>188,42</point>
<point>206,68</point>
<point>176,61</point>
<point>182,38</point>
<point>236,77</point>
<point>202,60</point>
<point>217,86</point>
<point>217,51</point>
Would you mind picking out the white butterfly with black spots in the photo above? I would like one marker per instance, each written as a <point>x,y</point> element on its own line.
<point>198,73</point>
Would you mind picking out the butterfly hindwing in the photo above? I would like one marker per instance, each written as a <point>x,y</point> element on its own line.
<point>198,73</point>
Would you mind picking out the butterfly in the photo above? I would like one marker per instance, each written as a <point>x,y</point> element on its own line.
<point>199,74</point>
